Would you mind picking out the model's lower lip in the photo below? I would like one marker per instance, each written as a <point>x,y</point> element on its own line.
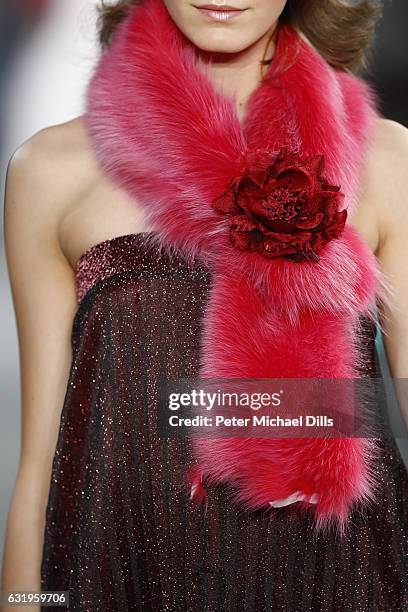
<point>220,15</point>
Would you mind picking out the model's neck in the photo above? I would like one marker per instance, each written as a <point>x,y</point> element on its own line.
<point>238,74</point>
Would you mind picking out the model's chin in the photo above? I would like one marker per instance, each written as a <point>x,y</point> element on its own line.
<point>222,40</point>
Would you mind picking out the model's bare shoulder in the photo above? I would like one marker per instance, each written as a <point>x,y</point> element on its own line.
<point>385,178</point>
<point>47,175</point>
<point>387,160</point>
<point>45,164</point>
<point>390,134</point>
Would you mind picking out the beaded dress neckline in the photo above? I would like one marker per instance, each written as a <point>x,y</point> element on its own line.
<point>123,255</point>
<point>108,241</point>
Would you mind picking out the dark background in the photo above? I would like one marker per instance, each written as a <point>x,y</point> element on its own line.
<point>389,65</point>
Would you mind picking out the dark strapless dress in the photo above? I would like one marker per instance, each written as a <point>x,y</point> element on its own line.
<point>121,532</point>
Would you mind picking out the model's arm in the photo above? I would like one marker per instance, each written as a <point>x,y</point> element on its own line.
<point>43,292</point>
<point>387,194</point>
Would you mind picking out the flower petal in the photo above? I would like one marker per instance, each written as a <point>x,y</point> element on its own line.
<point>309,223</point>
<point>277,249</point>
<point>225,203</point>
<point>242,223</point>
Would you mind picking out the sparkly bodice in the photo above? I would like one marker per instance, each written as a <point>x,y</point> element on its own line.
<point>121,532</point>
<point>124,254</point>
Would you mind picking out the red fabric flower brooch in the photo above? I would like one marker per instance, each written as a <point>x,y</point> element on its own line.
<point>283,209</point>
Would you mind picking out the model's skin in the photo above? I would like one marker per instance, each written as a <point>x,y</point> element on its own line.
<point>58,204</point>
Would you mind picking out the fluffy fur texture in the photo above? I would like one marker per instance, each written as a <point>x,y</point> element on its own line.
<point>162,132</point>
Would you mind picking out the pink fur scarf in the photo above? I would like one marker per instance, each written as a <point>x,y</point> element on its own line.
<point>262,204</point>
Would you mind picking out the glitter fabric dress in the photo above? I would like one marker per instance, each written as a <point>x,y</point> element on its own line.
<point>121,532</point>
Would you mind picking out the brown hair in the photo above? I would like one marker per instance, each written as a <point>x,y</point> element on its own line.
<point>341,30</point>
